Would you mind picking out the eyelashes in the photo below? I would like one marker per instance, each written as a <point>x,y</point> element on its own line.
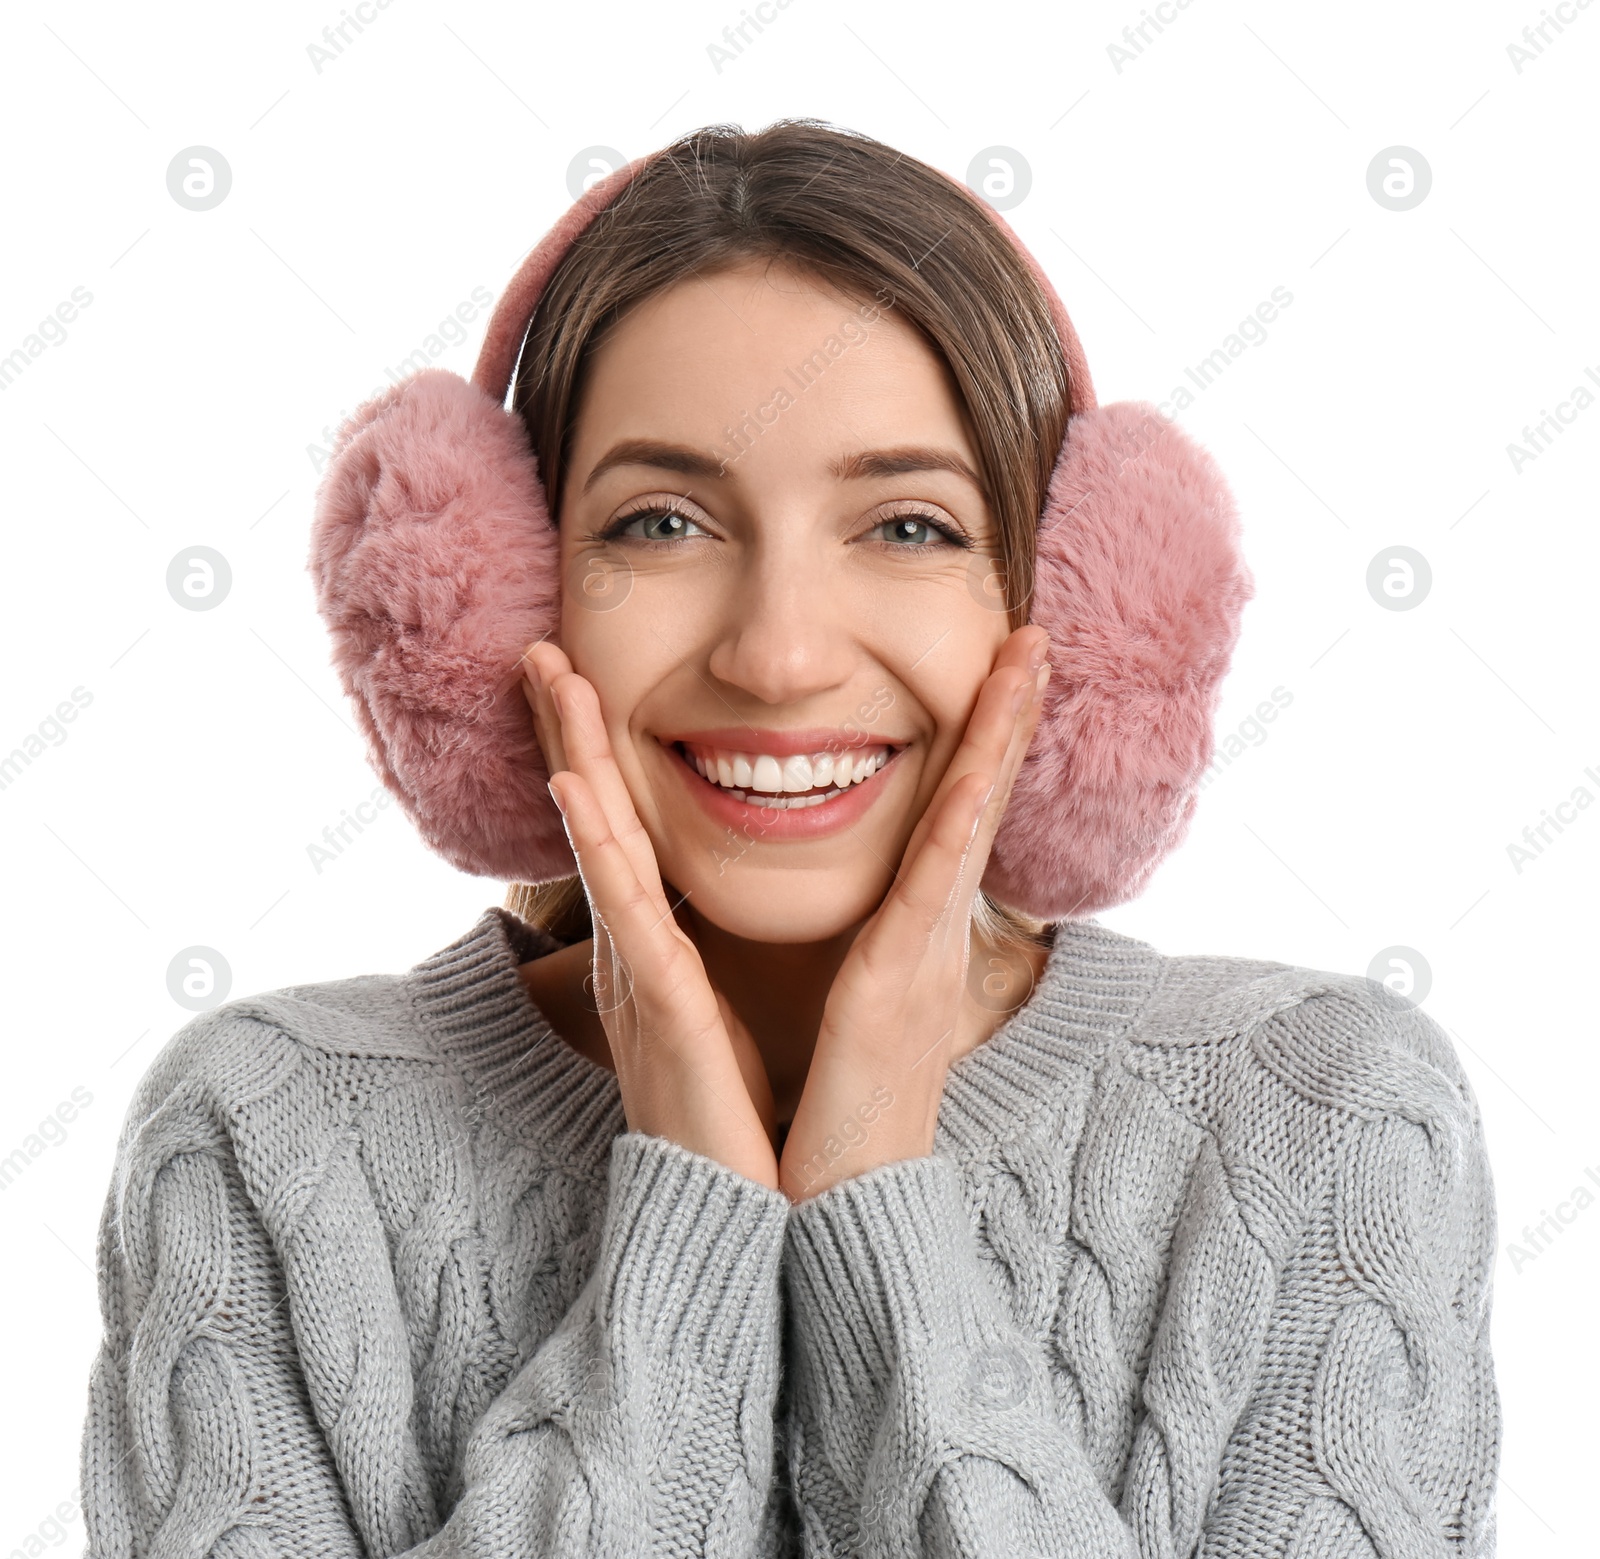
<point>649,509</point>
<point>904,512</point>
<point>919,516</point>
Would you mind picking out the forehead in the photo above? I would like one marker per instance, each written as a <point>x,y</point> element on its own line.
<point>761,338</point>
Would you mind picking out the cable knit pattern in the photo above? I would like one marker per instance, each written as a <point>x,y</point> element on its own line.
<point>1200,1267</point>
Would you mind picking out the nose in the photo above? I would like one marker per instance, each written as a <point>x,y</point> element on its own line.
<point>791,625</point>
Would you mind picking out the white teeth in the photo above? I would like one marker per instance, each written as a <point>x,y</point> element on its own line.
<point>765,774</point>
<point>785,780</point>
<point>786,803</point>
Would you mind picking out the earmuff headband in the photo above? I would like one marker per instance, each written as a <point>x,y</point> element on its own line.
<point>508,324</point>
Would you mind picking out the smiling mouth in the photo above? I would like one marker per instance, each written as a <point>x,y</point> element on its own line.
<point>718,770</point>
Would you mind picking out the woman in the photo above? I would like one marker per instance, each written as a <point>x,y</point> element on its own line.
<point>771,1187</point>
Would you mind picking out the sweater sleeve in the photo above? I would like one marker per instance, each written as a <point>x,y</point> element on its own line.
<point>925,1420</point>
<point>643,1424</point>
<point>1335,1403</point>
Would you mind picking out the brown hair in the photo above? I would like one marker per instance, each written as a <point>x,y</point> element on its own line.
<point>866,220</point>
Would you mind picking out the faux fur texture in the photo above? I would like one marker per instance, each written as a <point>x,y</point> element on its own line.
<point>1140,585</point>
<point>436,565</point>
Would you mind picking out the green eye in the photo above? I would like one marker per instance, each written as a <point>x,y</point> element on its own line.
<point>905,532</point>
<point>902,529</point>
<point>673,524</point>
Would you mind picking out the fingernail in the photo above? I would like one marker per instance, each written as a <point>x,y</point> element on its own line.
<point>1037,654</point>
<point>555,796</point>
<point>1040,680</point>
<point>1020,697</point>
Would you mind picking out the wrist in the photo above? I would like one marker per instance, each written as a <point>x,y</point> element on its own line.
<point>882,1128</point>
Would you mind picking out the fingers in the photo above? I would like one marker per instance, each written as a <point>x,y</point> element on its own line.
<point>543,662</point>
<point>669,1032</point>
<point>575,740</point>
<point>1024,725</point>
<point>589,754</point>
<point>1002,721</point>
<point>932,898</point>
<point>998,730</point>
<point>629,918</point>
<point>945,859</point>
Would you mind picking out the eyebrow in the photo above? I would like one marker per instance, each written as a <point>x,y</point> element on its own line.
<point>898,461</point>
<point>681,458</point>
<point>652,452</point>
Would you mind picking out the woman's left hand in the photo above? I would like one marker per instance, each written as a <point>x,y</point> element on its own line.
<point>877,1075</point>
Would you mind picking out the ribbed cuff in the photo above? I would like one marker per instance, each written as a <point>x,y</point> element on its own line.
<point>874,1256</point>
<point>690,1261</point>
<point>886,1288</point>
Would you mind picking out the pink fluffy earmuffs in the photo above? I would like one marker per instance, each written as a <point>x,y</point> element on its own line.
<point>436,564</point>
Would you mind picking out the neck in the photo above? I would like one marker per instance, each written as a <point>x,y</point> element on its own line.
<point>780,990</point>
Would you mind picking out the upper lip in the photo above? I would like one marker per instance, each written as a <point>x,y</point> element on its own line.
<point>780,744</point>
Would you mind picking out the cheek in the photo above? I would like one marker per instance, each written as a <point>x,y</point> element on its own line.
<point>947,681</point>
<point>634,651</point>
<point>593,586</point>
<point>610,647</point>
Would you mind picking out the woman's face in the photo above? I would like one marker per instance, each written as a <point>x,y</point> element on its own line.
<point>774,543</point>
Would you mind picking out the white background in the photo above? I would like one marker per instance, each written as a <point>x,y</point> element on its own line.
<point>1168,199</point>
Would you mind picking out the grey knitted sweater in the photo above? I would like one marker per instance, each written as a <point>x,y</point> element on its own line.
<point>1200,1266</point>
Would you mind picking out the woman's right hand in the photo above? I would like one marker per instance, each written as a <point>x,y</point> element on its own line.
<point>688,1067</point>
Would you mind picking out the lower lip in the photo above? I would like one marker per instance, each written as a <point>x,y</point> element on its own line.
<point>782,823</point>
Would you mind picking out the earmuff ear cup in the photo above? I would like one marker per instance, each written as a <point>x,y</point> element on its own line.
<point>1140,582</point>
<point>436,564</point>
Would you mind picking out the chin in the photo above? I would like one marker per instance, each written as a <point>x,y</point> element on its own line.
<point>768,905</point>
<point>811,877</point>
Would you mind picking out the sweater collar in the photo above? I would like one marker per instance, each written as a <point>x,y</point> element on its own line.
<point>1095,985</point>
<point>474,1005</point>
